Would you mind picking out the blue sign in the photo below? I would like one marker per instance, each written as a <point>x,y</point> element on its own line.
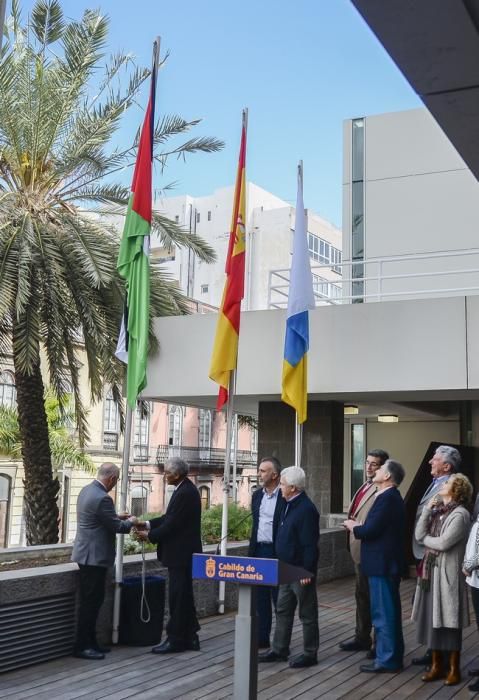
<point>246,570</point>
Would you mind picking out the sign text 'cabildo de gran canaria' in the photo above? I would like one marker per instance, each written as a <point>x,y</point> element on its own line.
<point>256,572</point>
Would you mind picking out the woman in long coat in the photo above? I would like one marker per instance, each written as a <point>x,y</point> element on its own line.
<point>440,607</point>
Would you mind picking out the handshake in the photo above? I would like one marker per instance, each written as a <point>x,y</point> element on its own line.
<point>139,530</point>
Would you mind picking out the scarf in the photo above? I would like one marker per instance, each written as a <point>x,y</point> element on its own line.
<point>438,515</point>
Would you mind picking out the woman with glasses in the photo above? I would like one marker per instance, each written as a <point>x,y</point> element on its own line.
<point>440,607</point>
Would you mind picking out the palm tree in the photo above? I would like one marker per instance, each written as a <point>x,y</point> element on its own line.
<point>59,288</point>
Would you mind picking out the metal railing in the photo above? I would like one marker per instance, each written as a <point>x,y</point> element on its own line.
<point>205,457</point>
<point>420,275</point>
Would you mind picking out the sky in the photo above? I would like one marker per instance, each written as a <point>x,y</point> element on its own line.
<point>301,67</point>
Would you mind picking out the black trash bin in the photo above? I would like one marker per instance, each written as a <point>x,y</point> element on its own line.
<point>132,630</point>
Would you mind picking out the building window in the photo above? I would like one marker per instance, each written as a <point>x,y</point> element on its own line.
<point>139,500</point>
<point>205,497</point>
<point>358,453</point>
<point>204,436</point>
<point>5,485</point>
<point>8,393</point>
<point>111,423</point>
<point>254,440</point>
<point>197,217</point>
<point>357,211</point>
<point>175,426</point>
<point>324,253</point>
<point>204,289</point>
<point>142,433</point>
<point>209,216</point>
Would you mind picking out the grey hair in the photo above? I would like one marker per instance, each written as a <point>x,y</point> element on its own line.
<point>108,469</point>
<point>177,466</point>
<point>294,476</point>
<point>450,456</point>
<point>396,470</point>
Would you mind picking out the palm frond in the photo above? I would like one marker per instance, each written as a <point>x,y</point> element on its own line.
<point>47,21</point>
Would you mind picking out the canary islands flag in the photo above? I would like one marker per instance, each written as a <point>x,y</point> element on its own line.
<point>301,298</point>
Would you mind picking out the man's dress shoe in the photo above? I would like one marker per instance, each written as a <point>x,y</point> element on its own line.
<point>303,661</point>
<point>372,668</point>
<point>474,687</point>
<point>102,650</point>
<point>353,645</point>
<point>167,647</point>
<point>473,672</point>
<point>271,656</point>
<point>89,654</point>
<point>193,644</point>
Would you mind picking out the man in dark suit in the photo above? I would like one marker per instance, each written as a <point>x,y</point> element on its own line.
<point>266,507</point>
<point>359,508</point>
<point>94,552</point>
<point>178,536</point>
<point>297,544</point>
<point>382,542</point>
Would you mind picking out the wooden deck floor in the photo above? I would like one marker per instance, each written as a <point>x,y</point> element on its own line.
<point>132,672</point>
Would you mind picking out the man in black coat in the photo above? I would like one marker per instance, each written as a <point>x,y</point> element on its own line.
<point>178,536</point>
<point>382,559</point>
<point>296,543</point>
<point>266,506</point>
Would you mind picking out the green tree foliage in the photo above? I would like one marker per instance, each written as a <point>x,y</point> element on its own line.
<point>239,524</point>
<point>62,103</point>
<point>63,444</point>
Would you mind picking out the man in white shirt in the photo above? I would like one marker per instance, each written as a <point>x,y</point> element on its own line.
<point>266,507</point>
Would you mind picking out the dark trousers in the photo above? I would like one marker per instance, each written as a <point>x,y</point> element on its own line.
<point>266,596</point>
<point>290,595</point>
<point>363,608</point>
<point>183,623</point>
<point>475,602</point>
<point>387,621</point>
<point>92,594</point>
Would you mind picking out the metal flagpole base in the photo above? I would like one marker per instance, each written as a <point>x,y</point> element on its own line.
<point>246,646</point>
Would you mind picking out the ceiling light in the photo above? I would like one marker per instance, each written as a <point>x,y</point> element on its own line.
<point>388,419</point>
<point>350,410</point>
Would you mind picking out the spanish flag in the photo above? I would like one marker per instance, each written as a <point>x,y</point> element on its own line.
<point>300,299</point>
<point>225,349</point>
<point>133,259</point>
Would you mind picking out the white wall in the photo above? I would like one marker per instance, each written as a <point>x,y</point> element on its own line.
<point>419,197</point>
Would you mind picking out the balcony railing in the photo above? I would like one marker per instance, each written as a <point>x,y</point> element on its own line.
<point>416,276</point>
<point>205,457</point>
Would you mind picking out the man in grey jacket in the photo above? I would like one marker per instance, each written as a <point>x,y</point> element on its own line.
<point>94,551</point>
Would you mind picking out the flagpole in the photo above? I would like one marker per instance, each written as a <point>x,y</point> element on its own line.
<point>298,427</point>
<point>226,485</point>
<point>120,538</point>
<point>126,457</point>
<point>298,441</point>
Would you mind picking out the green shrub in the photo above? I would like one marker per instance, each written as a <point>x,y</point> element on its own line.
<point>239,524</point>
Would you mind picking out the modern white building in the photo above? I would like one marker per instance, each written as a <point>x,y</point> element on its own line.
<point>410,217</point>
<point>270,224</point>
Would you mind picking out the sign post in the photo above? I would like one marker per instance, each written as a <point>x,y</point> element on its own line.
<point>249,572</point>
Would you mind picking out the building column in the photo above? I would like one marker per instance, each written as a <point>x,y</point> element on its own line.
<point>322,456</point>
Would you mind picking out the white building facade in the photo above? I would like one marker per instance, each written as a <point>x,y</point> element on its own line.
<point>270,224</point>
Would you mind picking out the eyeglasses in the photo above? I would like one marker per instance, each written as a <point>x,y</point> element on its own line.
<point>371,464</point>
